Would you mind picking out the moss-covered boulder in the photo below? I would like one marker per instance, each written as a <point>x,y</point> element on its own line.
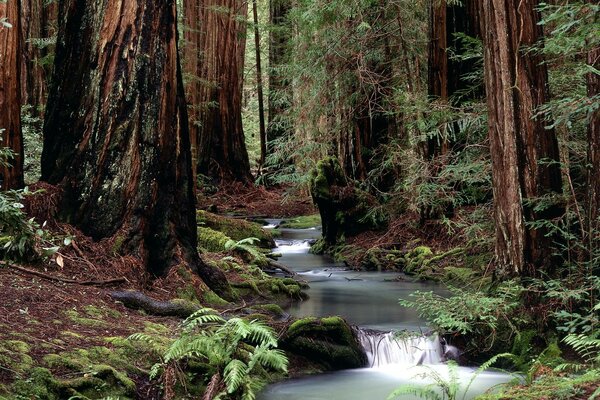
<point>345,209</point>
<point>330,342</point>
<point>236,229</point>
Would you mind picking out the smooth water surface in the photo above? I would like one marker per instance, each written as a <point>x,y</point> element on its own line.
<point>368,300</point>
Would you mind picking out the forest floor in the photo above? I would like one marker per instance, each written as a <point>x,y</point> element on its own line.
<point>59,316</point>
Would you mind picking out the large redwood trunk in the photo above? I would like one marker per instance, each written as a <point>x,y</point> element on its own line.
<point>38,19</point>
<point>221,150</point>
<point>11,177</point>
<point>516,84</point>
<point>116,136</point>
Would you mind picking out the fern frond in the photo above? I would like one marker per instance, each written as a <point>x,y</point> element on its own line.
<point>156,370</point>
<point>201,317</point>
<point>234,375</point>
<point>587,346</point>
<point>414,390</point>
<point>261,334</point>
<point>484,367</point>
<point>155,345</point>
<point>268,358</point>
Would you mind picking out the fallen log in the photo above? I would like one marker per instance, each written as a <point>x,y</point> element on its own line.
<point>139,301</point>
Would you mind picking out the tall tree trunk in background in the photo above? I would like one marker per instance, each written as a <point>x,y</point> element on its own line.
<point>280,91</point>
<point>192,69</point>
<point>593,86</point>
<point>259,84</point>
<point>11,177</point>
<point>221,150</point>
<point>116,136</point>
<point>38,20</point>
<point>445,76</point>
<point>516,84</point>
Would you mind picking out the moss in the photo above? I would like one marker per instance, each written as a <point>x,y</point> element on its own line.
<point>302,222</point>
<point>118,244</point>
<point>74,316</point>
<point>100,312</point>
<point>154,328</point>
<point>211,298</point>
<point>71,334</point>
<point>188,293</point>
<point>236,229</point>
<point>39,384</point>
<point>551,386</point>
<point>328,341</point>
<point>14,355</point>
<point>272,309</point>
<point>211,240</point>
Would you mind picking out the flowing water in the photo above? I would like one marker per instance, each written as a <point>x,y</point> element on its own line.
<point>368,300</point>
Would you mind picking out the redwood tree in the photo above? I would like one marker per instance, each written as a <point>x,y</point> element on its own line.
<point>116,135</point>
<point>37,27</point>
<point>221,148</point>
<point>524,153</point>
<point>192,71</point>
<point>11,177</point>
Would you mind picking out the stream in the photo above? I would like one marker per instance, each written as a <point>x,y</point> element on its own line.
<point>368,300</point>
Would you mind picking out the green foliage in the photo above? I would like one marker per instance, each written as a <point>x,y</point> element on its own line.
<point>236,350</point>
<point>33,141</point>
<point>471,312</point>
<point>444,388</point>
<point>22,238</point>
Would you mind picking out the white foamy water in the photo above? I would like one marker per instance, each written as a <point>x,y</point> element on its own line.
<point>386,348</point>
<point>292,246</point>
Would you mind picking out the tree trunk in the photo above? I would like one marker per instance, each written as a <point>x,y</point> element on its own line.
<point>280,91</point>
<point>192,70</point>
<point>222,150</point>
<point>516,85</point>
<point>593,86</point>
<point>259,84</point>
<point>37,20</point>
<point>116,135</point>
<point>11,177</point>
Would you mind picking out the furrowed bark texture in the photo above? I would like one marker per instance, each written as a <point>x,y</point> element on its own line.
<point>11,177</point>
<point>38,20</point>
<point>222,151</point>
<point>116,134</point>
<point>192,70</point>
<point>516,84</point>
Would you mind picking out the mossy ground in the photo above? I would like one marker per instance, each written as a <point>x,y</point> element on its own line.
<point>302,222</point>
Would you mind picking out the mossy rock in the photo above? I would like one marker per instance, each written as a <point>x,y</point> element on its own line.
<point>236,229</point>
<point>345,209</point>
<point>211,240</point>
<point>329,341</point>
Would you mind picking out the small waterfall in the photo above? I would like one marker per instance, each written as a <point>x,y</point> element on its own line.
<point>384,348</point>
<point>292,246</point>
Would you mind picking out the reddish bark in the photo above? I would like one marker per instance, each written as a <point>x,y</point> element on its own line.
<point>516,85</point>
<point>221,149</point>
<point>11,177</point>
<point>116,135</point>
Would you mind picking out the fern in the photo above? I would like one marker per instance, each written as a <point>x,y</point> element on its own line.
<point>225,345</point>
<point>234,375</point>
<point>586,345</point>
<point>415,390</point>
